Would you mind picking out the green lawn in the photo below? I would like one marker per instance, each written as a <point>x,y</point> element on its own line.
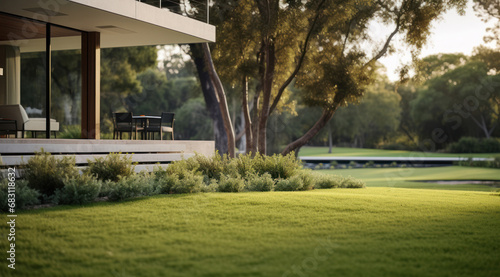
<point>402,177</point>
<point>337,232</point>
<point>364,152</point>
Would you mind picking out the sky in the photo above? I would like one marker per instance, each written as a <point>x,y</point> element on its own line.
<point>452,34</point>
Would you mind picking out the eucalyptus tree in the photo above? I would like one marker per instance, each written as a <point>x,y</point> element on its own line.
<point>490,10</point>
<point>326,46</point>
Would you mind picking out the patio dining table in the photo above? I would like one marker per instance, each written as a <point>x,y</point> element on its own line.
<point>144,122</point>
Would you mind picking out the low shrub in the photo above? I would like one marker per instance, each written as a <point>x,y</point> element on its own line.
<point>324,181</point>
<point>182,167</point>
<point>24,195</point>
<point>211,186</point>
<point>189,183</point>
<point>165,183</point>
<point>244,165</point>
<point>278,166</point>
<point>46,173</point>
<point>230,184</point>
<point>474,145</point>
<point>488,164</point>
<point>111,167</point>
<point>352,183</point>
<point>81,190</point>
<point>308,179</point>
<point>106,187</point>
<point>214,166</point>
<point>294,183</point>
<point>263,182</point>
<point>141,184</point>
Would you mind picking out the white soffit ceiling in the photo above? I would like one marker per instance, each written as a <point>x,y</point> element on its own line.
<point>122,23</point>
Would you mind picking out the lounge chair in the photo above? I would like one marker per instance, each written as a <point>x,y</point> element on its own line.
<point>24,123</point>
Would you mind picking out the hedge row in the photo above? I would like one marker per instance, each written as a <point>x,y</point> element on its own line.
<point>48,179</point>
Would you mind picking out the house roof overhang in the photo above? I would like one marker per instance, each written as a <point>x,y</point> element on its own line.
<point>121,23</point>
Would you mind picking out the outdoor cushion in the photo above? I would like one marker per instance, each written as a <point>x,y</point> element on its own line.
<point>25,123</point>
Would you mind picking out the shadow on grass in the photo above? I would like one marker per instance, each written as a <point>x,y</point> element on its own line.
<point>104,203</point>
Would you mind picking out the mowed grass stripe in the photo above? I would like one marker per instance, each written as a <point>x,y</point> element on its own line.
<point>402,177</point>
<point>368,232</point>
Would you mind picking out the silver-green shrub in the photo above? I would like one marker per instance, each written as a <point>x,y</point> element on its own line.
<point>46,173</point>
<point>80,190</point>
<point>111,167</point>
<point>25,196</point>
<point>231,184</point>
<point>263,182</point>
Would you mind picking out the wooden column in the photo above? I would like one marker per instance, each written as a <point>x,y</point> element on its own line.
<point>48,79</point>
<point>91,87</point>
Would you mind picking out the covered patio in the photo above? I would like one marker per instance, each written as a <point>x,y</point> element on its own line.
<point>39,29</point>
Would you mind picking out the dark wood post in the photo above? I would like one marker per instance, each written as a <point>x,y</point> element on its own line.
<point>91,87</point>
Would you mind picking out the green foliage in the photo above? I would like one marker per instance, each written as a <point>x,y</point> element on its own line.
<point>136,185</point>
<point>24,195</point>
<point>106,187</point>
<point>214,166</point>
<point>193,121</point>
<point>80,190</point>
<point>324,181</point>
<point>351,183</point>
<point>164,181</point>
<point>459,103</point>
<point>372,121</point>
<point>189,183</point>
<point>263,182</point>
<point>182,167</point>
<point>278,166</point>
<point>294,183</point>
<point>71,132</point>
<point>46,173</point>
<point>231,184</point>
<point>113,177</point>
<point>308,179</point>
<point>488,164</point>
<point>244,165</point>
<point>119,70</point>
<point>369,164</point>
<point>111,167</point>
<point>475,145</point>
<point>211,186</point>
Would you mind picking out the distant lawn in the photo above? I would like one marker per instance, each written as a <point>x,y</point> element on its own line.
<point>337,232</point>
<point>402,177</point>
<point>365,152</point>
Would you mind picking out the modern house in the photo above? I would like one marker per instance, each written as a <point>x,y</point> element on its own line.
<point>45,27</point>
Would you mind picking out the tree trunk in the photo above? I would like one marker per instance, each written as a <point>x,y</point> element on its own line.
<point>267,76</point>
<point>219,90</point>
<point>246,116</point>
<point>330,142</point>
<point>322,121</point>
<point>213,107</point>
<point>255,127</point>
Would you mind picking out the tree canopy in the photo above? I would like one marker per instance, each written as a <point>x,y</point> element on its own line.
<point>324,45</point>
<point>464,101</point>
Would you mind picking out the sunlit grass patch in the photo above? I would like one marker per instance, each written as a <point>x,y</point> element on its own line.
<point>366,232</point>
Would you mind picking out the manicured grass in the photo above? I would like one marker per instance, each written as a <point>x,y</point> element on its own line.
<point>365,152</point>
<point>336,232</point>
<point>402,177</point>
